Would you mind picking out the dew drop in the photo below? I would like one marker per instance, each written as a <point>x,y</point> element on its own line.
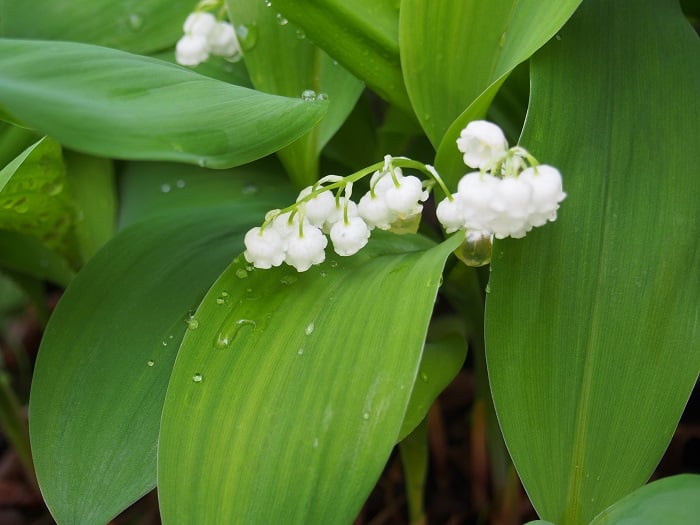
<point>323,274</point>
<point>333,263</point>
<point>241,273</point>
<point>315,444</point>
<point>300,34</point>
<point>197,378</point>
<point>475,250</point>
<point>247,36</point>
<point>300,351</point>
<point>365,416</point>
<point>165,188</point>
<point>150,362</point>
<point>250,268</point>
<point>309,329</point>
<point>165,342</point>
<point>488,287</point>
<point>227,334</point>
<point>268,3</point>
<point>249,189</point>
<point>180,183</point>
<point>308,95</point>
<point>135,21</point>
<point>281,20</point>
<point>322,96</point>
<point>558,37</point>
<point>424,377</point>
<point>202,163</point>
<point>192,323</point>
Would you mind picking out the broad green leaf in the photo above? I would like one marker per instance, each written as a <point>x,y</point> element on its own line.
<point>141,26</point>
<point>107,353</point>
<point>34,199</point>
<point>285,403</point>
<point>13,141</point>
<point>29,256</point>
<point>114,104</point>
<point>92,185</point>
<point>363,35</point>
<point>453,50</point>
<point>150,189</point>
<point>441,362</point>
<point>675,500</point>
<point>215,67</point>
<point>282,61</point>
<point>591,322</point>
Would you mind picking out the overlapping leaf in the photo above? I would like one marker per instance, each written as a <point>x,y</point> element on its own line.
<point>287,399</point>
<point>106,357</point>
<point>141,26</point>
<point>110,103</point>
<point>592,339</point>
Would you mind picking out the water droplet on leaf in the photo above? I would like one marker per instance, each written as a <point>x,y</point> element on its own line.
<point>165,188</point>
<point>475,250</point>
<point>309,329</point>
<point>150,362</point>
<point>180,183</point>
<point>247,36</point>
<point>241,273</point>
<point>249,189</point>
<point>197,378</point>
<point>135,21</point>
<point>281,20</point>
<point>308,94</point>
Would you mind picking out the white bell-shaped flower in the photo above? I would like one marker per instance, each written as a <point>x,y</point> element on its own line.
<point>318,209</point>
<point>191,50</point>
<point>338,212</point>
<point>475,192</point>
<point>264,248</point>
<point>223,41</point>
<point>404,198</point>
<point>450,213</point>
<point>306,249</point>
<point>199,23</point>
<point>349,237</point>
<point>374,211</point>
<point>547,193</point>
<point>482,143</point>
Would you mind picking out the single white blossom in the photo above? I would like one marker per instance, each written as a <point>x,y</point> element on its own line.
<point>318,209</point>
<point>374,211</point>
<point>349,237</point>
<point>450,213</point>
<point>191,50</point>
<point>199,23</point>
<point>223,42</point>
<point>404,197</point>
<point>547,193</point>
<point>264,248</point>
<point>306,248</point>
<point>483,144</point>
<point>338,212</point>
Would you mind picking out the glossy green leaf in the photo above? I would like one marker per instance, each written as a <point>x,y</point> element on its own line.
<point>453,50</point>
<point>150,189</point>
<point>363,35</point>
<point>276,397</point>
<point>675,500</point>
<point>114,104</point>
<point>13,141</point>
<point>92,186</point>
<point>34,199</point>
<point>592,322</point>
<point>441,362</point>
<point>282,61</point>
<point>215,67</point>
<point>106,357</point>
<point>141,26</point>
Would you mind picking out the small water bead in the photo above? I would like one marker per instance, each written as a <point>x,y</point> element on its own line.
<point>150,362</point>
<point>475,250</point>
<point>226,336</point>
<point>308,95</point>
<point>365,416</point>
<point>249,189</point>
<point>288,279</point>
<point>488,287</point>
<point>250,268</point>
<point>300,351</point>
<point>247,36</point>
<point>165,188</point>
<point>268,3</point>
<point>180,183</point>
<point>323,274</point>
<point>281,20</point>
<point>424,377</point>
<point>300,34</point>
<point>322,96</point>
<point>333,263</point>
<point>241,273</point>
<point>135,21</point>
<point>309,329</point>
<point>202,163</point>
<point>223,298</point>
<point>197,378</point>
<point>192,323</point>
<point>315,444</point>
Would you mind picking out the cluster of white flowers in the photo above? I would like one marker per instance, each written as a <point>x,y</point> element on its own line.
<point>204,36</point>
<point>510,194</point>
<point>297,235</point>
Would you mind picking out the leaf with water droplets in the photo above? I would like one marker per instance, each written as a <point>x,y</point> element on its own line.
<point>305,402</point>
<point>106,357</point>
<point>121,102</point>
<point>35,199</point>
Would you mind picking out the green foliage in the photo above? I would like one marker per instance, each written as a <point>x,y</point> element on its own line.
<point>251,395</point>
